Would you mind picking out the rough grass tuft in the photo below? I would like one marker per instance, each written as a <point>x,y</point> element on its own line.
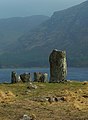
<point>17,100</point>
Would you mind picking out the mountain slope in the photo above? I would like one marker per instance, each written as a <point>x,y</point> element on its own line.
<point>12,28</point>
<point>65,30</point>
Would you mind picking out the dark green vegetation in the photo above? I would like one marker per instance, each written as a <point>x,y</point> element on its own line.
<point>65,30</point>
<point>17,100</point>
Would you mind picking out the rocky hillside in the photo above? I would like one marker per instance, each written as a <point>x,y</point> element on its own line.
<point>65,30</point>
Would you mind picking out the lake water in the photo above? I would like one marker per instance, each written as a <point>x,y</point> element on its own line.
<point>80,74</point>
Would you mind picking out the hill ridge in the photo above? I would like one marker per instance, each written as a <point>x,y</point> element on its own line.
<point>65,30</point>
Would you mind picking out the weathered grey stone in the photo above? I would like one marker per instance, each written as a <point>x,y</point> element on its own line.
<point>40,77</point>
<point>31,86</point>
<point>59,99</point>
<point>25,77</point>
<point>51,99</point>
<point>45,77</point>
<point>14,77</point>
<point>18,78</point>
<point>26,117</point>
<point>27,91</point>
<point>41,99</point>
<point>58,66</point>
<point>37,76</point>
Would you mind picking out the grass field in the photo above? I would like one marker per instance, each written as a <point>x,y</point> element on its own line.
<point>18,99</point>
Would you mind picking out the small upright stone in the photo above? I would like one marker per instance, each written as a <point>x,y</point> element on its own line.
<point>45,77</point>
<point>37,76</point>
<point>40,77</point>
<point>14,77</point>
<point>58,66</point>
<point>25,77</point>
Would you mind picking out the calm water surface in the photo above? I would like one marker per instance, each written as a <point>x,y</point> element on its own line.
<point>80,74</point>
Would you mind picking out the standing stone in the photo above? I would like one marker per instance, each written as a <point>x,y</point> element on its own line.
<point>58,66</point>
<point>25,77</point>
<point>45,77</point>
<point>40,77</point>
<point>14,77</point>
<point>37,76</point>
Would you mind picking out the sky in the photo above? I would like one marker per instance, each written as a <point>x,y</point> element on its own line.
<point>20,8</point>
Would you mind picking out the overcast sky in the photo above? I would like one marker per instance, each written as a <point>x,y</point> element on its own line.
<point>15,8</point>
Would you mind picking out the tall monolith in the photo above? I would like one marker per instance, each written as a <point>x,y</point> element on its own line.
<point>58,66</point>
